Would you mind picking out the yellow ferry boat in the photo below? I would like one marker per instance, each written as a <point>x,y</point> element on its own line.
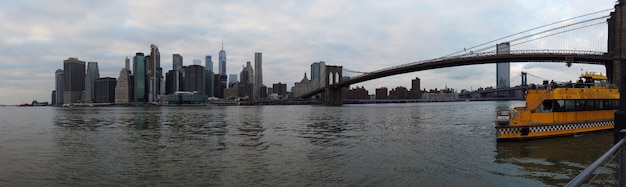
<point>561,109</point>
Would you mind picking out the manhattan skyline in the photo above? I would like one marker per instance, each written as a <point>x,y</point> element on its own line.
<point>358,35</point>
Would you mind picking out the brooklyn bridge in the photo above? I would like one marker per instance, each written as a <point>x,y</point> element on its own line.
<point>486,53</point>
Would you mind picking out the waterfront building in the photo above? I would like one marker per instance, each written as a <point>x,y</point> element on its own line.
<point>140,75</point>
<point>302,87</point>
<point>122,87</point>
<point>105,90</point>
<point>258,77</point>
<point>399,92</point>
<point>208,76</point>
<point>154,75</point>
<point>280,89</point>
<point>73,80</point>
<point>232,92</point>
<point>194,79</point>
<point>358,93</point>
<point>222,61</point>
<point>446,93</point>
<point>90,79</point>
<point>503,70</point>
<point>58,85</point>
<point>181,97</point>
<point>381,93</point>
<point>54,97</point>
<point>415,92</point>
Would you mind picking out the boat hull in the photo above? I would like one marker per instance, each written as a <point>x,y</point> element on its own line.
<point>550,130</point>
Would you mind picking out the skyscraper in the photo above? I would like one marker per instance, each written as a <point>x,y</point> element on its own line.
<point>177,64</point>
<point>154,75</point>
<point>232,78</point>
<point>73,80</point>
<point>318,74</point>
<point>122,87</point>
<point>503,69</point>
<point>222,61</point>
<point>177,61</point>
<point>194,79</point>
<point>140,75</point>
<point>90,82</point>
<point>258,76</point>
<point>245,78</point>
<point>105,90</point>
<point>208,76</point>
<point>58,85</point>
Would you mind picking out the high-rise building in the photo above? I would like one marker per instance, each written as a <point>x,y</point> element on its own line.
<point>246,77</point>
<point>232,78</point>
<point>54,97</point>
<point>105,90</point>
<point>154,76</point>
<point>318,74</point>
<point>58,85</point>
<point>140,74</point>
<point>503,70</point>
<point>197,62</point>
<point>194,79</point>
<point>177,61</point>
<point>122,87</point>
<point>416,93</point>
<point>90,79</point>
<point>258,76</point>
<point>208,76</point>
<point>73,80</point>
<point>170,81</point>
<point>222,61</point>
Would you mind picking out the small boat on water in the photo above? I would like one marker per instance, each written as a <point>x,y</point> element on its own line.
<point>561,109</point>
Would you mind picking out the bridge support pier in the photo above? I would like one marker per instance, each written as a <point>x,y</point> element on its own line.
<point>333,95</point>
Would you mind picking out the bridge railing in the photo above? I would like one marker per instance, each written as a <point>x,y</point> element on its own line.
<point>590,174</point>
<point>491,53</point>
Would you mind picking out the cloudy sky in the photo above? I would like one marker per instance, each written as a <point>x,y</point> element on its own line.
<point>36,36</point>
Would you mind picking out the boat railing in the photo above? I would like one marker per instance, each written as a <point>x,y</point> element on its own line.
<point>590,176</point>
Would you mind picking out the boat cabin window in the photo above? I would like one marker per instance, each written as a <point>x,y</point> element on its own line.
<point>598,82</point>
<point>569,105</point>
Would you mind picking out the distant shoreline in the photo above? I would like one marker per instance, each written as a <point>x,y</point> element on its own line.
<point>279,102</point>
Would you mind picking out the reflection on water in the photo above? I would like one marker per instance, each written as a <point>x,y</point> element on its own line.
<point>419,144</point>
<point>555,160</point>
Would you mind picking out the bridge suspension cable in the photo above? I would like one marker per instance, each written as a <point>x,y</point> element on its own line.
<point>353,71</point>
<point>551,30</point>
<point>532,29</point>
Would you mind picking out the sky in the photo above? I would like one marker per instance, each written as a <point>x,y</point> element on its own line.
<point>364,35</point>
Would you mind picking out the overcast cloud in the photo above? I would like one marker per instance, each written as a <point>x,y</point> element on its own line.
<point>358,35</point>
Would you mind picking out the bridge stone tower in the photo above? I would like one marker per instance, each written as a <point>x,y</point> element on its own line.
<point>332,94</point>
<point>616,42</point>
<point>617,48</point>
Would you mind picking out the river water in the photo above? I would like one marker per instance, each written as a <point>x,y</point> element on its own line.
<point>417,144</point>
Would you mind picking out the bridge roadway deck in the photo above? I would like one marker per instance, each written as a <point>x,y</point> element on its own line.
<point>560,56</point>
